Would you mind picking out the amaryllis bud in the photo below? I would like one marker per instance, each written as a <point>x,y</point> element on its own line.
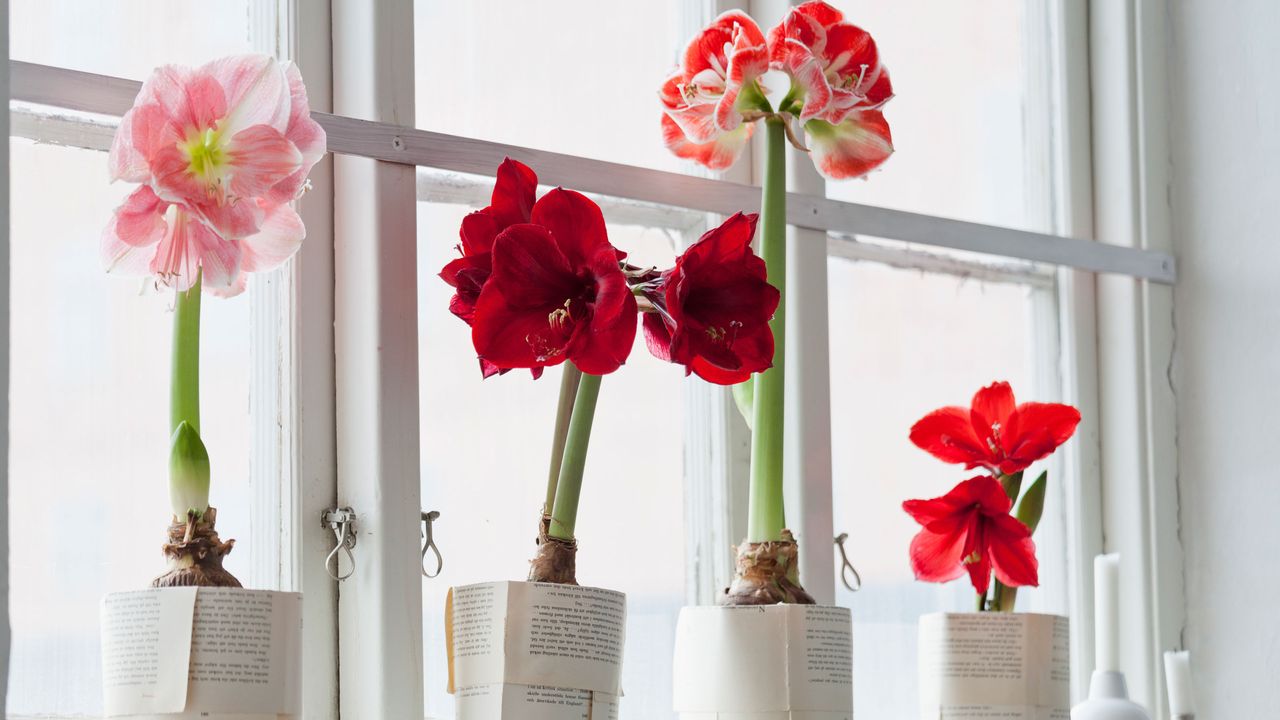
<point>188,473</point>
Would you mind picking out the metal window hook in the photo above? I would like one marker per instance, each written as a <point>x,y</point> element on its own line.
<point>847,567</point>
<point>342,522</point>
<point>429,543</point>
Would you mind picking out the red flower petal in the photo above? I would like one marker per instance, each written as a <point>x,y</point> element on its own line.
<point>656,336</point>
<point>575,222</point>
<point>1013,553</point>
<point>991,406</point>
<point>948,435</point>
<point>1037,429</point>
<point>513,193</point>
<point>718,154</point>
<point>935,556</point>
<point>855,147</point>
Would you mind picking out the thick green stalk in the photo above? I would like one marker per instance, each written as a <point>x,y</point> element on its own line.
<point>184,387</point>
<point>569,379</point>
<point>564,512</point>
<point>766,517</point>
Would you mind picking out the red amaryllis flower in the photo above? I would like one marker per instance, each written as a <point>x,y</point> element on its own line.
<point>703,99</point>
<point>511,203</point>
<point>713,308</point>
<point>837,88</point>
<point>994,433</point>
<point>970,530</point>
<point>556,292</point>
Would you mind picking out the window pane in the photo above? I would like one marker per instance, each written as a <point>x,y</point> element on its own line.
<point>88,498</point>
<point>574,76</point>
<point>485,448</point>
<point>966,128</point>
<point>127,38</point>
<point>905,343</point>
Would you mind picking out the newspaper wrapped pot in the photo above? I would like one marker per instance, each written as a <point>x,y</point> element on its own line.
<point>770,662</point>
<point>535,651</point>
<point>994,665</point>
<point>189,652</point>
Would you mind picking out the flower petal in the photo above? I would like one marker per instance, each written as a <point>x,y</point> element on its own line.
<point>280,236</point>
<point>128,241</point>
<point>260,157</point>
<point>575,222</point>
<point>1013,553</point>
<point>948,435</point>
<point>853,148</point>
<point>513,193</point>
<point>936,556</point>
<point>257,92</point>
<point>657,337</point>
<point>992,406</point>
<point>1036,429</point>
<point>717,154</point>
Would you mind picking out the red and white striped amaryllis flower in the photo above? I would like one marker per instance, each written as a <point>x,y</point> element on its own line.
<point>704,99</point>
<point>838,86</point>
<point>220,152</point>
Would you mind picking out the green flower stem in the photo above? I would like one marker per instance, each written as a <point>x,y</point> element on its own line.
<point>184,388</point>
<point>564,513</point>
<point>569,379</point>
<point>766,517</point>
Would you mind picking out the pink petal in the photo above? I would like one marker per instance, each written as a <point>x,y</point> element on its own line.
<point>232,220</point>
<point>280,237</point>
<point>257,91</point>
<point>139,221</point>
<point>219,258</point>
<point>851,149</point>
<point>128,241</point>
<point>260,157</point>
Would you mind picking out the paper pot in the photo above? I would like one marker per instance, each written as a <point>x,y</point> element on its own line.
<point>776,662</point>
<point>981,666</point>
<point>212,653</point>
<point>535,651</point>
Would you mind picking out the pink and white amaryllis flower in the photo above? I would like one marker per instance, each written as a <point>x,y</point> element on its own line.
<point>704,99</point>
<point>220,152</point>
<point>838,86</point>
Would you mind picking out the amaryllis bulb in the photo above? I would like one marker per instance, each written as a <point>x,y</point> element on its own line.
<point>188,473</point>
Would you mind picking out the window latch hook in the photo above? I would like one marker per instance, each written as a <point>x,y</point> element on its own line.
<point>846,567</point>
<point>342,522</point>
<point>429,544</point>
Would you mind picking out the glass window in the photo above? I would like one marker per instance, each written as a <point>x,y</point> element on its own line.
<point>128,38</point>
<point>88,450</point>
<point>485,448</point>
<point>963,115</point>
<point>903,343</point>
<point>574,76</point>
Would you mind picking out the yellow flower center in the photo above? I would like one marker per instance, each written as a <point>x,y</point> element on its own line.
<point>208,161</point>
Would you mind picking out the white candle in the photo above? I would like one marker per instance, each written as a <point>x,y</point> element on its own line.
<point>1106,612</point>
<point>1177,674</point>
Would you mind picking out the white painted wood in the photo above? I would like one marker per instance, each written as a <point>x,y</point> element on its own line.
<point>396,143</point>
<point>376,340</point>
<point>1068,26</point>
<point>895,255</point>
<point>4,371</point>
<point>305,367</point>
<point>1136,338</point>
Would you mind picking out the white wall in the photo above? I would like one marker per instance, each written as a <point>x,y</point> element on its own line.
<point>1225,122</point>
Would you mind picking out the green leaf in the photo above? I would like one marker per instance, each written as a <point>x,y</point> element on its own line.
<point>188,472</point>
<point>1012,485</point>
<point>744,396</point>
<point>1031,507</point>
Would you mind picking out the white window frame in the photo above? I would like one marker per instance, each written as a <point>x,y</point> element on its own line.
<point>347,404</point>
